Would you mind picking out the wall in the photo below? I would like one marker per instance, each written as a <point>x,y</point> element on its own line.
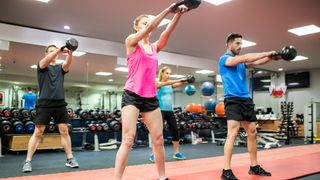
<point>299,97</point>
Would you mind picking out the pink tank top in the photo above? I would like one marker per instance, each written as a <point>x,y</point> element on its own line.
<point>142,69</point>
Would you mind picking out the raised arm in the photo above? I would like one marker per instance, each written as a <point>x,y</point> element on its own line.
<point>133,39</point>
<point>247,58</point>
<point>48,58</point>
<point>66,65</point>
<point>164,37</point>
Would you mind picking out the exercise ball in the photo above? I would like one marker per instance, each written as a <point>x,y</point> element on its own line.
<point>219,110</point>
<point>207,89</point>
<point>210,105</point>
<point>190,89</point>
<point>192,107</point>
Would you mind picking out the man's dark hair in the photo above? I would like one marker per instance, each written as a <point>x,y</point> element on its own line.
<point>51,45</point>
<point>233,36</point>
<point>29,88</point>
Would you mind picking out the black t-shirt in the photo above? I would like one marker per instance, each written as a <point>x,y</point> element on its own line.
<point>51,88</point>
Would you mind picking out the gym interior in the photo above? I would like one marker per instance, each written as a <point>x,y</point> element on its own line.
<point>285,93</point>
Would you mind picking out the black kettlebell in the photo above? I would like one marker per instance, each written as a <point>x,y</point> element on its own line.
<point>71,44</point>
<point>288,53</point>
<point>191,4</point>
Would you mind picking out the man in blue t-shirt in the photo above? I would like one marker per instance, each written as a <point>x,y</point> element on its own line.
<point>238,103</point>
<point>29,99</point>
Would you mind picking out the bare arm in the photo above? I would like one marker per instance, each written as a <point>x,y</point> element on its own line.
<point>66,65</point>
<point>133,39</point>
<point>246,58</point>
<point>48,58</point>
<point>159,84</point>
<point>259,62</point>
<point>164,37</point>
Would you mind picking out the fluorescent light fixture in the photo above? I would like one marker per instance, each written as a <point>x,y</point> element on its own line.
<point>162,23</point>
<point>34,66</point>
<point>66,27</point>
<point>280,69</point>
<point>246,43</point>
<point>103,73</point>
<point>78,53</point>
<point>204,72</point>
<point>300,58</point>
<point>266,86</point>
<point>260,72</point>
<point>44,1</point>
<point>217,2</point>
<point>293,84</point>
<point>265,80</point>
<point>177,76</point>
<point>305,30</point>
<point>121,69</point>
<point>110,80</point>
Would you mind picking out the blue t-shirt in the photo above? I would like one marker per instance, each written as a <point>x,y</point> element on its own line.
<point>164,95</point>
<point>29,100</point>
<point>233,78</point>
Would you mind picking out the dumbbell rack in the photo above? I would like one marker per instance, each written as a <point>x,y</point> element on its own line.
<point>287,111</point>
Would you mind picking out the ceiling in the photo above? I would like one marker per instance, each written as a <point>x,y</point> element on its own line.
<point>201,32</point>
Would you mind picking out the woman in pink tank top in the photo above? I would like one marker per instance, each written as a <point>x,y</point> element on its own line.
<point>140,89</point>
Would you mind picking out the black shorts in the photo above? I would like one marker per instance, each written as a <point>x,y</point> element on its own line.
<point>240,109</point>
<point>44,115</point>
<point>142,103</point>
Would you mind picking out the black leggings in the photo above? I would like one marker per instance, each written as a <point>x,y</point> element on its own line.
<point>172,124</point>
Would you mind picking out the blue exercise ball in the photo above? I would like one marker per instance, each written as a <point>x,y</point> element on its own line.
<point>207,89</point>
<point>190,89</point>
<point>210,105</point>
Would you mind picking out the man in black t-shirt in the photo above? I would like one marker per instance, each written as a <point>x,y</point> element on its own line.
<point>51,103</point>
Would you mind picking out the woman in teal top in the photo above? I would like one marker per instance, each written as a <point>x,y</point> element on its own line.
<point>165,97</point>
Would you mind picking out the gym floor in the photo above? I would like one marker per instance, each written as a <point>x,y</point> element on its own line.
<point>50,162</point>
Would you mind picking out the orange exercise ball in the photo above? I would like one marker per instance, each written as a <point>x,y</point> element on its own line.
<point>220,111</point>
<point>192,107</point>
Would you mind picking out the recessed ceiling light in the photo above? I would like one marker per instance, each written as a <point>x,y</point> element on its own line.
<point>121,69</point>
<point>34,66</point>
<point>305,30</point>
<point>110,80</point>
<point>300,58</point>
<point>103,73</point>
<point>162,23</point>
<point>204,72</point>
<point>260,72</point>
<point>45,1</point>
<point>66,27</point>
<point>177,76</point>
<point>280,69</point>
<point>217,2</point>
<point>246,43</point>
<point>78,53</point>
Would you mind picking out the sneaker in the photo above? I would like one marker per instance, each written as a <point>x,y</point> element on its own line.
<point>258,170</point>
<point>151,158</point>
<point>228,175</point>
<point>163,178</point>
<point>179,156</point>
<point>27,167</point>
<point>72,163</point>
